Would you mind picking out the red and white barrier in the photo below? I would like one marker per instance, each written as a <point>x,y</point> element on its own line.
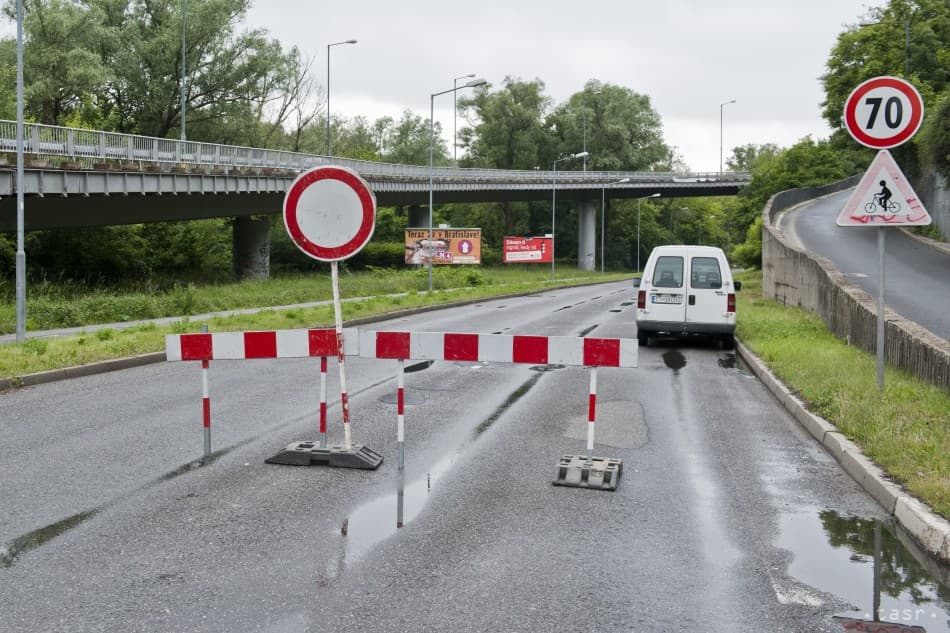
<point>402,346</point>
<point>265,344</point>
<point>499,348</point>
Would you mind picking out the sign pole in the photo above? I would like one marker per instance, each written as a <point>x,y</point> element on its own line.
<point>880,307</point>
<point>338,320</point>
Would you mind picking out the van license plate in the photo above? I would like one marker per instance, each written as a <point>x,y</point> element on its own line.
<point>667,299</point>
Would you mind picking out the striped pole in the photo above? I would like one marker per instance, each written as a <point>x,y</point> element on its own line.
<point>591,414</point>
<point>400,414</point>
<point>338,318</point>
<point>206,401</point>
<point>323,402</point>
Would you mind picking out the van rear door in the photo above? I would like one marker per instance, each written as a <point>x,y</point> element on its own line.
<point>667,295</point>
<point>706,294</point>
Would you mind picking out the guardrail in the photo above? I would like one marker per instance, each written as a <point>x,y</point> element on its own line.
<point>90,147</point>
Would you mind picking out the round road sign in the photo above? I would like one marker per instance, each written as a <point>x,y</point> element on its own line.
<point>883,112</point>
<point>330,213</point>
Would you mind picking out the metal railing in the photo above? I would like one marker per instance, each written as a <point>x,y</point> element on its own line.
<point>89,147</point>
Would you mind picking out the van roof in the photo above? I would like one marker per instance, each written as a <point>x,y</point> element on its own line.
<point>678,247</point>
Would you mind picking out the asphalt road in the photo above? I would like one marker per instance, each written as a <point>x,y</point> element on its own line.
<point>916,277</point>
<point>720,522</point>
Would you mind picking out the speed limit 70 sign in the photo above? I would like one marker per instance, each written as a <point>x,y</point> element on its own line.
<point>883,112</point>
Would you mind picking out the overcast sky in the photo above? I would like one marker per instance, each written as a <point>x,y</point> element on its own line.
<point>688,56</point>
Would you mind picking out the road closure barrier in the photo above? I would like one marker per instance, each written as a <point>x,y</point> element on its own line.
<point>572,470</point>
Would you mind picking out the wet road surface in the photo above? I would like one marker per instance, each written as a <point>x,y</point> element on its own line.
<point>728,516</point>
<point>916,277</point>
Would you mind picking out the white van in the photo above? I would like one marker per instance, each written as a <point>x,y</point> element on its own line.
<point>687,290</point>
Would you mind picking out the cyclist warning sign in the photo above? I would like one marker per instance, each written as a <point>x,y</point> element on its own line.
<point>884,198</point>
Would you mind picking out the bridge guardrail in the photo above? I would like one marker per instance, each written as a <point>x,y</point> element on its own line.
<point>91,146</point>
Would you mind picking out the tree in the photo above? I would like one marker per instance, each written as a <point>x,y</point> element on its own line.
<point>60,63</point>
<point>230,76</point>
<point>510,132</point>
<point>905,38</point>
<point>805,164</point>
<point>407,142</point>
<point>623,132</point>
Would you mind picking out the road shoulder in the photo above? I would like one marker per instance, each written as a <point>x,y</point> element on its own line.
<point>929,530</point>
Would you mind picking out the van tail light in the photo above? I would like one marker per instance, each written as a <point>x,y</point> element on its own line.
<point>731,303</point>
<point>642,300</point>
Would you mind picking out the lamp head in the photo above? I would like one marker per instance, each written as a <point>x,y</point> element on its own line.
<point>475,82</point>
<point>350,42</point>
<point>580,155</point>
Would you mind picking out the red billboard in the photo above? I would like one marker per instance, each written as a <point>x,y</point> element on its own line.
<point>526,250</point>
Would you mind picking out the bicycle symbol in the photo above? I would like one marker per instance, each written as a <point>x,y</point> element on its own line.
<point>872,208</point>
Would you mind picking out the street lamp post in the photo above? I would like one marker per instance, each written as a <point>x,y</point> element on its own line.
<point>184,9</point>
<point>554,199</point>
<point>455,109</point>
<point>721,105</point>
<point>471,84</point>
<point>20,218</point>
<point>652,195</point>
<point>328,89</point>
<point>603,214</point>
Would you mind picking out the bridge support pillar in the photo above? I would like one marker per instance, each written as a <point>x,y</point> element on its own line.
<point>250,258</point>
<point>418,216</point>
<point>586,235</point>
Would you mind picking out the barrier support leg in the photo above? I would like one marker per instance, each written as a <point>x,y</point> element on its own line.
<point>599,473</point>
<point>323,402</point>
<point>591,414</point>
<point>206,408</point>
<point>348,455</point>
<point>400,415</point>
<point>205,402</point>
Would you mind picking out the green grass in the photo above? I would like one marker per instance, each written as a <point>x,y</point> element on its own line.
<point>905,428</point>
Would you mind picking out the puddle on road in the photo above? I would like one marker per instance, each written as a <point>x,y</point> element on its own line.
<point>674,359</point>
<point>23,544</point>
<point>728,361</point>
<point>839,554</point>
<point>379,519</point>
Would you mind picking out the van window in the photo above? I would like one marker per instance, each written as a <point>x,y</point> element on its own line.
<point>668,272</point>
<point>705,273</point>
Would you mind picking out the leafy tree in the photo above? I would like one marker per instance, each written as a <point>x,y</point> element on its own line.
<point>805,164</point>
<point>230,76</point>
<point>935,136</point>
<point>510,133</point>
<point>407,142</point>
<point>623,131</point>
<point>905,38</point>
<point>743,156</point>
<point>60,64</point>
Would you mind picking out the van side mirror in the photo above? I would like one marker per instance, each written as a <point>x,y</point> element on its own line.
<point>737,285</point>
<point>636,281</point>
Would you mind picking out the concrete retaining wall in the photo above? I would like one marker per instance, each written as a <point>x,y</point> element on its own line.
<point>795,278</point>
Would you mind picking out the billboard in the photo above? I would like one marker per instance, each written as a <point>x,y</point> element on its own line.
<point>449,246</point>
<point>526,250</point>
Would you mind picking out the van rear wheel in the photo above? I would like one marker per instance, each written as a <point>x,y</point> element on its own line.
<point>728,341</point>
<point>643,338</point>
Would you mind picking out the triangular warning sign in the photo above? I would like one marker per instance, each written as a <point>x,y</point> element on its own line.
<point>883,198</point>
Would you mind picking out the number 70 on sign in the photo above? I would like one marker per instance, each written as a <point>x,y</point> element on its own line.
<point>883,112</point>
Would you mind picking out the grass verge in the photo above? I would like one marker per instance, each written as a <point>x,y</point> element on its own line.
<point>905,428</point>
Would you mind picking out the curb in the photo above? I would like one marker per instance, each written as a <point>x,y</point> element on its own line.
<point>930,531</point>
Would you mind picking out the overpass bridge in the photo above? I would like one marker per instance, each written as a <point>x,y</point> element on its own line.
<point>75,177</point>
